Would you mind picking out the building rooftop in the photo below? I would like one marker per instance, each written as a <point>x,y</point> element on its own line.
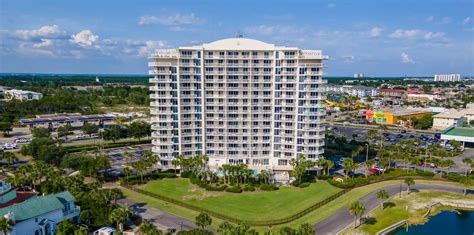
<point>404,111</point>
<point>37,206</point>
<point>459,131</point>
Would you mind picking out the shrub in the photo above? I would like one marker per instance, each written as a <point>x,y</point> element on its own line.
<point>304,185</point>
<point>186,174</point>
<point>268,187</point>
<point>324,177</point>
<point>136,179</point>
<point>234,189</point>
<point>249,187</point>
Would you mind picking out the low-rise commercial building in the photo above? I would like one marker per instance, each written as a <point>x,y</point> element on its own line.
<point>22,95</point>
<point>465,135</point>
<point>397,116</point>
<point>453,117</point>
<point>359,91</point>
<point>392,92</point>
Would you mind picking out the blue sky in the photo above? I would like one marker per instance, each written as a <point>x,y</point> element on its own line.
<point>374,37</point>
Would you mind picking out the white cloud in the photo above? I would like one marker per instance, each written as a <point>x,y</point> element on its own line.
<point>171,20</point>
<point>272,29</point>
<point>47,31</point>
<point>415,34</point>
<point>85,38</point>
<point>43,43</point>
<point>445,20</point>
<point>331,5</point>
<point>429,19</point>
<point>143,48</point>
<point>406,58</point>
<point>375,32</point>
<point>467,20</point>
<point>27,50</point>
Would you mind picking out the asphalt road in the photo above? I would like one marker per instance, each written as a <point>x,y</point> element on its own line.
<point>161,219</point>
<point>342,218</point>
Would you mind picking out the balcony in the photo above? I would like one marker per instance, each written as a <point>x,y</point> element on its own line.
<point>189,72</point>
<point>156,96</point>
<point>161,64</point>
<point>157,104</point>
<point>160,80</point>
<point>159,72</point>
<point>167,53</point>
<point>312,54</point>
<point>159,120</point>
<point>316,65</point>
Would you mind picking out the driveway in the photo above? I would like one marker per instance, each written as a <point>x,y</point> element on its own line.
<point>161,219</point>
<point>342,218</point>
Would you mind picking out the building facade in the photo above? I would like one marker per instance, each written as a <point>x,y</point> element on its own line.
<point>238,100</point>
<point>22,95</point>
<point>395,116</point>
<point>447,77</point>
<point>35,215</point>
<point>359,91</point>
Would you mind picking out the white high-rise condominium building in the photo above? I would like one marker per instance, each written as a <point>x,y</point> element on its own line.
<point>238,100</point>
<point>447,77</point>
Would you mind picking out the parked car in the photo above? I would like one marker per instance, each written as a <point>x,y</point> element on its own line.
<point>403,131</point>
<point>9,146</point>
<point>399,136</point>
<point>373,170</point>
<point>22,140</point>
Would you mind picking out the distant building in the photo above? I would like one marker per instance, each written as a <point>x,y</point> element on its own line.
<point>422,97</point>
<point>22,95</point>
<point>447,77</point>
<point>36,214</point>
<point>360,91</point>
<point>358,75</point>
<point>398,116</point>
<point>391,92</point>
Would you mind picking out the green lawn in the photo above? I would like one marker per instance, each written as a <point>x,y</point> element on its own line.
<point>311,218</point>
<point>255,206</point>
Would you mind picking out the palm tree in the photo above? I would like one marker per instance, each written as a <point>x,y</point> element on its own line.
<point>126,172</point>
<point>120,216</point>
<point>128,155</point>
<point>357,208</point>
<point>203,220</point>
<point>175,164</point>
<point>5,225</point>
<point>265,176</point>
<point>10,157</point>
<point>466,181</point>
<point>468,162</point>
<point>409,182</point>
<point>348,165</point>
<point>382,195</point>
<point>147,228</point>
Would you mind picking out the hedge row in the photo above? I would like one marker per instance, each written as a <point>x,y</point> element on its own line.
<point>136,179</point>
<point>392,174</point>
<point>90,147</point>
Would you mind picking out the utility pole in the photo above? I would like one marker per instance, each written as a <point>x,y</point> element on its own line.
<point>366,161</point>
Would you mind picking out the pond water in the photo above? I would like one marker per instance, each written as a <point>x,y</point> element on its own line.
<point>446,222</point>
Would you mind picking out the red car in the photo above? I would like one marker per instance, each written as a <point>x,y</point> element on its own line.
<point>374,170</point>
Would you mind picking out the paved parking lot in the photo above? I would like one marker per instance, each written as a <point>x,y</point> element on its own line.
<point>118,158</point>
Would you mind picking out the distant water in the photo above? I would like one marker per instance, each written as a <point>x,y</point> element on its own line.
<point>446,222</point>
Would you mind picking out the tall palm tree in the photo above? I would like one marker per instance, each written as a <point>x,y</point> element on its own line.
<point>382,195</point>
<point>6,225</point>
<point>349,165</point>
<point>147,228</point>
<point>466,181</point>
<point>357,208</point>
<point>409,182</point>
<point>120,216</point>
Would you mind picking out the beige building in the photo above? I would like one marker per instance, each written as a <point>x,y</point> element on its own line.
<point>453,117</point>
<point>238,100</point>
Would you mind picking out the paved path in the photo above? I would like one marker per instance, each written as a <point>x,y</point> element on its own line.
<point>342,218</point>
<point>161,219</point>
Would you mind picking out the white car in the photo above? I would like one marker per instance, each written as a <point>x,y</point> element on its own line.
<point>22,140</point>
<point>9,146</point>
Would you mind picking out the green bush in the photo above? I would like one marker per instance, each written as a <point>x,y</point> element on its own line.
<point>304,185</point>
<point>249,187</point>
<point>324,177</point>
<point>268,187</point>
<point>186,174</point>
<point>234,189</point>
<point>136,179</point>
